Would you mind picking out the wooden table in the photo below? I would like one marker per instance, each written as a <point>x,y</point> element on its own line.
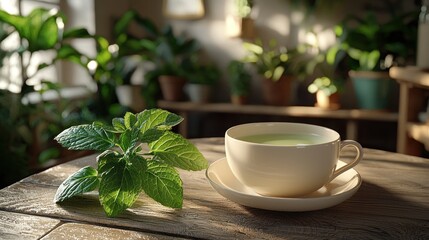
<point>392,203</point>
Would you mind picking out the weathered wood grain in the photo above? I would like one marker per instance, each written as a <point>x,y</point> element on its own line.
<point>392,203</point>
<point>21,226</point>
<point>85,231</point>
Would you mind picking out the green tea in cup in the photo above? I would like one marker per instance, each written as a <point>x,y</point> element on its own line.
<point>283,139</point>
<point>283,159</point>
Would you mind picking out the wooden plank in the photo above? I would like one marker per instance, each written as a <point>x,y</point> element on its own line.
<point>412,75</point>
<point>392,203</point>
<point>22,226</point>
<point>86,231</point>
<point>291,111</point>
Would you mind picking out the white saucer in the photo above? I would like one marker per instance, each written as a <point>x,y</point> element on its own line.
<point>340,189</point>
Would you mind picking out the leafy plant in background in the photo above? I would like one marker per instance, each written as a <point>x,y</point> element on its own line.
<point>324,84</point>
<point>205,74</point>
<point>171,55</point>
<point>40,31</point>
<point>375,45</point>
<point>240,79</point>
<point>52,117</point>
<point>124,170</point>
<point>114,63</point>
<point>270,61</point>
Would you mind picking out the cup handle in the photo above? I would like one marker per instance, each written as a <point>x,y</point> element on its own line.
<point>359,155</point>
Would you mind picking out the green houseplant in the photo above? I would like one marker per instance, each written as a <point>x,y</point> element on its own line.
<point>124,170</point>
<point>115,63</point>
<point>240,82</point>
<point>201,79</point>
<point>170,53</point>
<point>372,47</point>
<point>39,32</point>
<point>275,65</point>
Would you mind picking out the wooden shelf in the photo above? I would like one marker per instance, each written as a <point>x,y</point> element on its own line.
<point>413,94</point>
<point>412,75</point>
<point>291,111</point>
<point>351,116</point>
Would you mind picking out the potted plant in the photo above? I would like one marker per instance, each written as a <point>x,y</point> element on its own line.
<point>326,92</point>
<point>274,64</point>
<point>328,78</point>
<point>372,47</point>
<point>170,54</point>
<point>240,82</point>
<point>201,79</point>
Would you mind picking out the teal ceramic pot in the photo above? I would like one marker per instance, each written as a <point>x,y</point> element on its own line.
<point>374,90</point>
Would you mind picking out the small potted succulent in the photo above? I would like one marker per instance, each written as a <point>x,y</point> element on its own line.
<point>326,92</point>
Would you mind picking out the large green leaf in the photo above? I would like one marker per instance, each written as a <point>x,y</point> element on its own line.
<point>162,183</point>
<point>86,137</point>
<point>119,124</point>
<point>130,120</point>
<point>121,182</point>
<point>122,24</point>
<point>157,118</point>
<point>47,36</point>
<point>82,181</point>
<point>177,151</point>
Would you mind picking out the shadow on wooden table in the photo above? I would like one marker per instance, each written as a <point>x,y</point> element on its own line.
<point>350,219</point>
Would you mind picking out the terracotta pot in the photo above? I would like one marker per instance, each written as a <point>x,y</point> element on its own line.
<point>239,99</point>
<point>330,102</point>
<point>277,92</point>
<point>172,87</point>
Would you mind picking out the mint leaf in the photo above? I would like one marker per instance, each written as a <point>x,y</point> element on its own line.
<point>123,173</point>
<point>121,181</point>
<point>128,139</point>
<point>130,120</point>
<point>175,150</point>
<point>86,137</point>
<point>118,124</point>
<point>150,135</point>
<point>84,180</point>
<point>157,118</point>
<point>162,183</point>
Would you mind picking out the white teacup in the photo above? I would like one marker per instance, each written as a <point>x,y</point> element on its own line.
<point>285,159</point>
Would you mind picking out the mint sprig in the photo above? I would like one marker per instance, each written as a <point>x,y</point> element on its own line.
<point>124,170</point>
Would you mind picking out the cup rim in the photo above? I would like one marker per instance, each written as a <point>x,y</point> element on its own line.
<point>335,139</point>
